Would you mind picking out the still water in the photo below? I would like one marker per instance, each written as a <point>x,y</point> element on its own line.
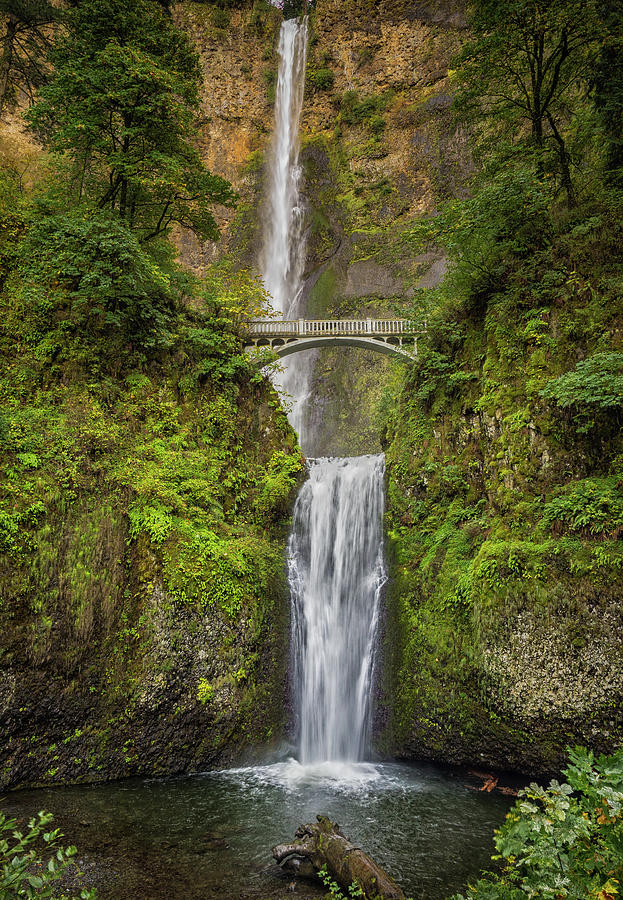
<point>210,835</point>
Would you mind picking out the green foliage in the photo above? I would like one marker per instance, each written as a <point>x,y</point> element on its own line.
<point>591,506</point>
<point>608,84</point>
<point>293,8</point>
<point>121,104</point>
<point>489,234</point>
<point>101,274</point>
<point>277,486</point>
<point>565,841</point>
<point>320,79</point>
<point>220,17</point>
<point>31,861</point>
<point>334,889</point>
<point>596,383</point>
<point>205,691</point>
<point>214,346</point>
<point>377,124</point>
<point>270,81</point>
<point>356,111</point>
<point>522,72</point>
<point>153,519</point>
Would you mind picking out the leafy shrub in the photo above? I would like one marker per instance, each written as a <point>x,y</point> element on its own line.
<point>376,124</point>
<point>154,519</point>
<point>334,889</point>
<point>277,486</point>
<point>593,505</point>
<point>487,236</point>
<point>354,111</point>
<point>434,370</point>
<point>564,841</point>
<point>208,569</point>
<point>215,351</point>
<point>270,81</point>
<point>596,383</point>
<point>29,868</point>
<point>110,281</point>
<point>321,79</point>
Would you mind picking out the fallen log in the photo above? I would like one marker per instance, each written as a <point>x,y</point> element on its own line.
<point>315,846</point>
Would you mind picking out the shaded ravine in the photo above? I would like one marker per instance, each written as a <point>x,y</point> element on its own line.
<point>209,835</point>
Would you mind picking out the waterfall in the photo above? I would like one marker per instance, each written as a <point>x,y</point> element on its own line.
<point>336,568</point>
<point>336,573</point>
<point>283,252</point>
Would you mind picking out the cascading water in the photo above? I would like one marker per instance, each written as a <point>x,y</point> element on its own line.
<point>336,576</point>
<point>283,252</point>
<point>336,560</point>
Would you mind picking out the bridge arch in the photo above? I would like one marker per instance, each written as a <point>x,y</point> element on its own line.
<point>286,348</point>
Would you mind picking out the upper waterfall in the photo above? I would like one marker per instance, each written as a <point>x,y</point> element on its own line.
<point>284,247</point>
<point>283,253</point>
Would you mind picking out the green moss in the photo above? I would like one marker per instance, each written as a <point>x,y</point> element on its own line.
<point>504,520</point>
<point>143,518</point>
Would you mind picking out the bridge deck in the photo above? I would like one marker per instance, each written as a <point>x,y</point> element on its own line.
<point>298,328</point>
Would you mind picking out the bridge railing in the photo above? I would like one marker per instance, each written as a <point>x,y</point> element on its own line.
<point>315,327</point>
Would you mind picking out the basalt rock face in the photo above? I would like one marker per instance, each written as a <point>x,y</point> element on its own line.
<point>379,149</point>
<point>144,606</point>
<point>506,596</point>
<point>376,109</point>
<point>502,640</point>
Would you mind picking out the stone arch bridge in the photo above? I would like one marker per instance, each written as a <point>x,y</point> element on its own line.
<point>393,337</point>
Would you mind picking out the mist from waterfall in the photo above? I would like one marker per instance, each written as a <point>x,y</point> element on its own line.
<point>284,246</point>
<point>337,572</point>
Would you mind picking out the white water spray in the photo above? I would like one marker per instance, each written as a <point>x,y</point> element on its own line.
<point>336,576</point>
<point>284,246</point>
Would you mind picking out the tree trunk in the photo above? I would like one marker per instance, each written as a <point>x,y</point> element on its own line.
<point>324,844</point>
<point>565,168</point>
<point>7,59</point>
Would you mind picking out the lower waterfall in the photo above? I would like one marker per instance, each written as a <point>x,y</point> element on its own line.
<point>336,573</point>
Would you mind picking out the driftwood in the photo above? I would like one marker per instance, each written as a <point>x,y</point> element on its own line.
<point>315,846</point>
<point>491,783</point>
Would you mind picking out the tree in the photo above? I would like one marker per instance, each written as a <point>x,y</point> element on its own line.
<point>526,66</point>
<point>608,84</point>
<point>121,104</point>
<point>101,277</point>
<point>25,43</point>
